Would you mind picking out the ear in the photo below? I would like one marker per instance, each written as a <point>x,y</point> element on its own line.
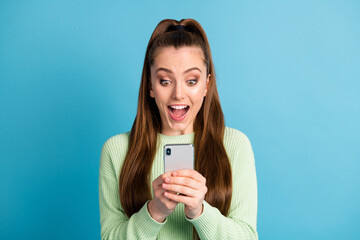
<point>151,90</point>
<point>207,84</point>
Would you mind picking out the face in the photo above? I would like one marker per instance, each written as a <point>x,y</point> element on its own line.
<point>179,84</point>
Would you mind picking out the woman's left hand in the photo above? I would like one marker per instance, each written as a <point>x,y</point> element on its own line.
<point>191,187</point>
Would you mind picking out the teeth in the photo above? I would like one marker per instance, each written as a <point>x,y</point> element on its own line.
<point>178,107</point>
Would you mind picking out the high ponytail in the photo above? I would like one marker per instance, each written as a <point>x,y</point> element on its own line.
<point>211,159</point>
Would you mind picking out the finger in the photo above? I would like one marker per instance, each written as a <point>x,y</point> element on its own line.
<point>180,189</point>
<point>190,173</point>
<point>159,193</point>
<point>180,198</point>
<point>160,179</point>
<point>184,181</point>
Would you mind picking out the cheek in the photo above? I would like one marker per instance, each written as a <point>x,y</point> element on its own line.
<point>197,98</point>
<point>160,97</point>
<point>198,94</point>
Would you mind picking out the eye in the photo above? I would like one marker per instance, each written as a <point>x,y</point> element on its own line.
<point>164,82</point>
<point>192,82</point>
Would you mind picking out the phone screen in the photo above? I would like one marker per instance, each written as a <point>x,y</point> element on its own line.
<point>178,156</point>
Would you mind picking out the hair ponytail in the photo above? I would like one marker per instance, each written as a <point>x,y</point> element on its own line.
<point>211,159</point>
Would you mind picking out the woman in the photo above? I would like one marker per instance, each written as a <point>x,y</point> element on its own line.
<point>178,103</point>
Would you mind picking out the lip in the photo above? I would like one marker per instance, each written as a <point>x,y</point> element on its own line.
<point>173,117</point>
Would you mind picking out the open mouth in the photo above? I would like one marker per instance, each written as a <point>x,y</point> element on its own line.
<point>178,112</point>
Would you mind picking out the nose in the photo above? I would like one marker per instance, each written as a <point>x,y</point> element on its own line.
<point>178,91</point>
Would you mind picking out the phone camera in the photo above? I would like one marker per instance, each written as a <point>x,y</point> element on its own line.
<point>168,151</point>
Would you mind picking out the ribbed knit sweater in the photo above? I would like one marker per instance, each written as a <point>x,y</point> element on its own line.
<point>211,224</point>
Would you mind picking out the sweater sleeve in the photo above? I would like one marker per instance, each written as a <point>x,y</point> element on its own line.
<point>114,222</point>
<point>241,220</point>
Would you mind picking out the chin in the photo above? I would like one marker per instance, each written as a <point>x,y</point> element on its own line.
<point>178,128</point>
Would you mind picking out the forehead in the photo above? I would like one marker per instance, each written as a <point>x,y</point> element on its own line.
<point>183,57</point>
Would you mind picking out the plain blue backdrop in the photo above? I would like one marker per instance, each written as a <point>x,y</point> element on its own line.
<point>288,77</point>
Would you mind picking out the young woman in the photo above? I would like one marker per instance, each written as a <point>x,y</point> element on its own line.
<point>178,103</point>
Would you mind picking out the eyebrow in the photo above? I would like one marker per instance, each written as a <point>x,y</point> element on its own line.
<point>169,71</point>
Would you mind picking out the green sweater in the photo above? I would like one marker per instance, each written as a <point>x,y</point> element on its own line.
<point>211,224</point>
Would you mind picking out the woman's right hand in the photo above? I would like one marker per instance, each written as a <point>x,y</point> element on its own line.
<point>160,207</point>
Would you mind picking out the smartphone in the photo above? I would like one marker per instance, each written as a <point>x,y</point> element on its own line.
<point>178,156</point>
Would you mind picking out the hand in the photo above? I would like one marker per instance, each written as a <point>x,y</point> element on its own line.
<point>160,207</point>
<point>192,186</point>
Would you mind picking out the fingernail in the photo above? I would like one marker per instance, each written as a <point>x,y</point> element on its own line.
<point>167,179</point>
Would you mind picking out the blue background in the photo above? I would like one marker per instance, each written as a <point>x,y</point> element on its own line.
<point>288,77</point>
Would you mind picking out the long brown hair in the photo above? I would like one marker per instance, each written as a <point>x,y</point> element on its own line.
<point>211,159</point>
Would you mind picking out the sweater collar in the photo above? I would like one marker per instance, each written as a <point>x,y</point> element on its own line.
<point>186,138</point>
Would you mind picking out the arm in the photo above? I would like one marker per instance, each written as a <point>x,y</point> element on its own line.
<point>114,222</point>
<point>241,220</point>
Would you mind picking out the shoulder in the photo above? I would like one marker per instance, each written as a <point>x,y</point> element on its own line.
<point>238,147</point>
<point>117,141</point>
<point>113,154</point>
<point>233,136</point>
